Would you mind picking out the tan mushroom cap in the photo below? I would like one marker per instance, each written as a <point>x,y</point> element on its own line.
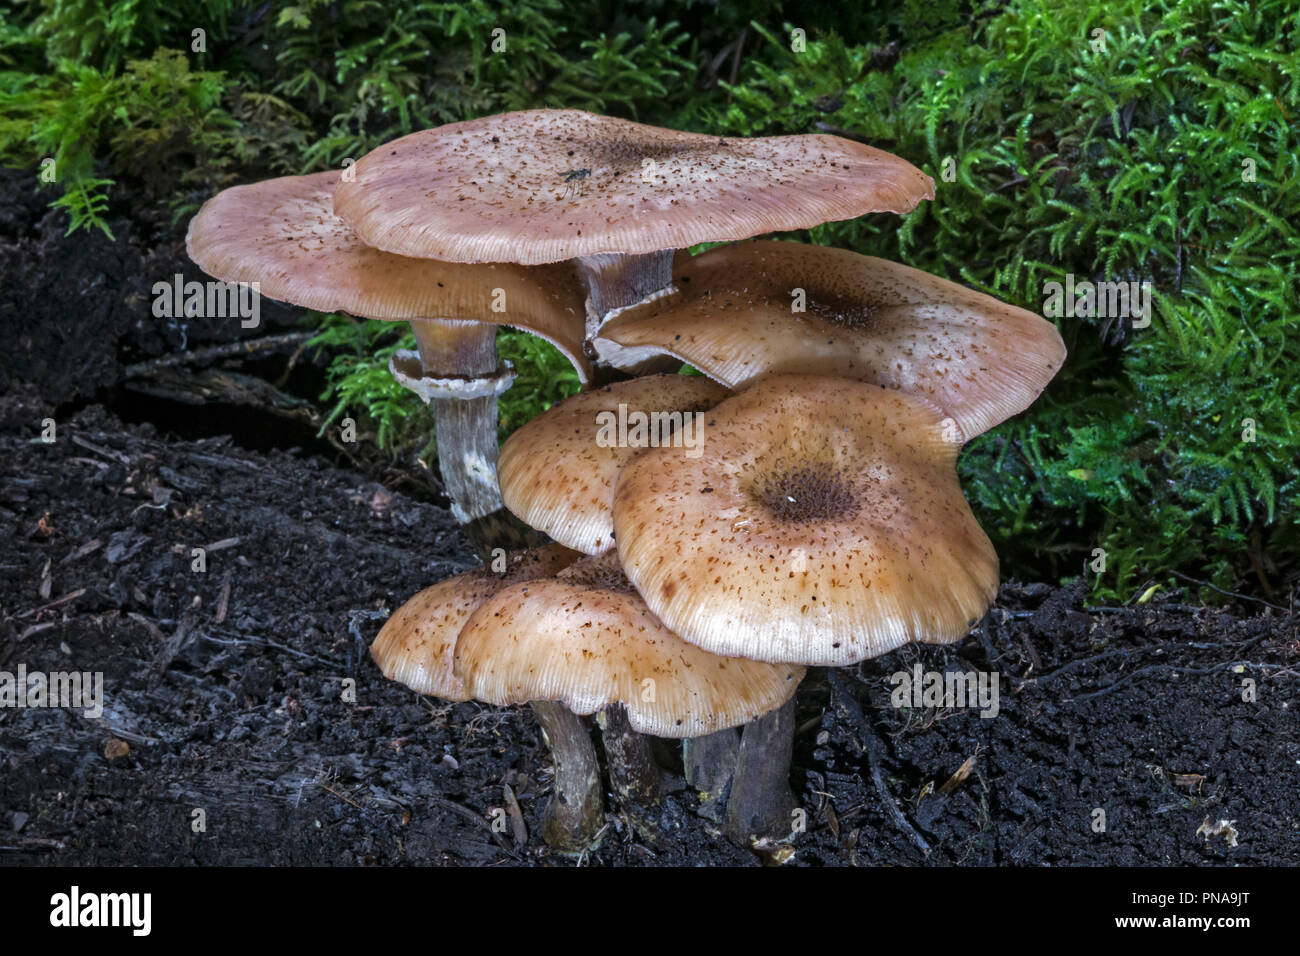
<point>823,525</point>
<point>283,233</point>
<point>979,359</point>
<point>416,645</point>
<point>585,638</point>
<point>557,472</point>
<point>545,185</point>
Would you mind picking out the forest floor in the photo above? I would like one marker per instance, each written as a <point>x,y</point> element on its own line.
<point>244,723</point>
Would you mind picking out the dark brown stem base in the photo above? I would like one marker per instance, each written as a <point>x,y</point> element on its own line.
<point>575,815</point>
<point>710,766</point>
<point>761,804</point>
<point>636,779</point>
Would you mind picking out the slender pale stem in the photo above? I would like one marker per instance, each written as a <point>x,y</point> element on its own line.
<point>467,432</point>
<point>573,818</point>
<point>761,803</point>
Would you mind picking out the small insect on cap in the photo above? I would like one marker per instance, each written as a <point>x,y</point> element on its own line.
<point>733,316</point>
<point>545,185</point>
<point>823,525</point>
<point>557,472</point>
<point>586,639</point>
<point>283,234</point>
<point>416,645</point>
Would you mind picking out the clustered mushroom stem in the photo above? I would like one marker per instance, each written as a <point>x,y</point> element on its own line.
<point>615,280</point>
<point>466,431</point>
<point>761,803</point>
<point>573,818</point>
<point>710,763</point>
<point>635,777</point>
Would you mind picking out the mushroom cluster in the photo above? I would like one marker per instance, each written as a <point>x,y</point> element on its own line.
<point>797,505</point>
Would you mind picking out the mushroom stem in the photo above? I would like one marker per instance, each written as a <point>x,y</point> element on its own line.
<point>575,814</point>
<point>616,280</point>
<point>466,430</point>
<point>635,777</point>
<point>710,765</point>
<point>761,803</point>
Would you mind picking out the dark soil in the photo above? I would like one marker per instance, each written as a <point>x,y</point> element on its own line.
<point>228,690</point>
<point>77,309</point>
<point>228,687</point>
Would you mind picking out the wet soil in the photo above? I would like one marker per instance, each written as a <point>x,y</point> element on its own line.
<point>226,692</point>
<point>244,723</point>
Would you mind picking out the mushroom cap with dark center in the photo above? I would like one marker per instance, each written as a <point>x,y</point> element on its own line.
<point>546,185</point>
<point>416,645</point>
<point>585,638</point>
<point>823,525</point>
<point>557,472</point>
<point>732,317</point>
<point>283,234</point>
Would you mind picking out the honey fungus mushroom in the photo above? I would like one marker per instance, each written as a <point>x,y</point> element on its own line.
<point>282,233</point>
<point>583,641</point>
<point>417,644</point>
<point>824,524</point>
<point>617,197</point>
<point>557,472</point>
<point>733,316</point>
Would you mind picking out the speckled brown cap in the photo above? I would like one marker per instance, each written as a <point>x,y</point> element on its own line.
<point>586,639</point>
<point>823,525</point>
<point>415,646</point>
<point>732,317</point>
<point>283,233</point>
<point>546,185</point>
<point>557,472</point>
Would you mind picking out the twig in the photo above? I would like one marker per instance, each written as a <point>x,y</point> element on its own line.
<point>1240,597</point>
<point>148,625</point>
<point>130,735</point>
<point>1135,651</point>
<point>849,708</point>
<point>117,456</point>
<point>223,602</point>
<point>170,648</point>
<point>1152,669</point>
<point>209,353</point>
<point>342,797</point>
<point>32,843</point>
<point>735,60</point>
<point>469,814</point>
<point>241,641</point>
<point>70,596</point>
<point>35,629</point>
